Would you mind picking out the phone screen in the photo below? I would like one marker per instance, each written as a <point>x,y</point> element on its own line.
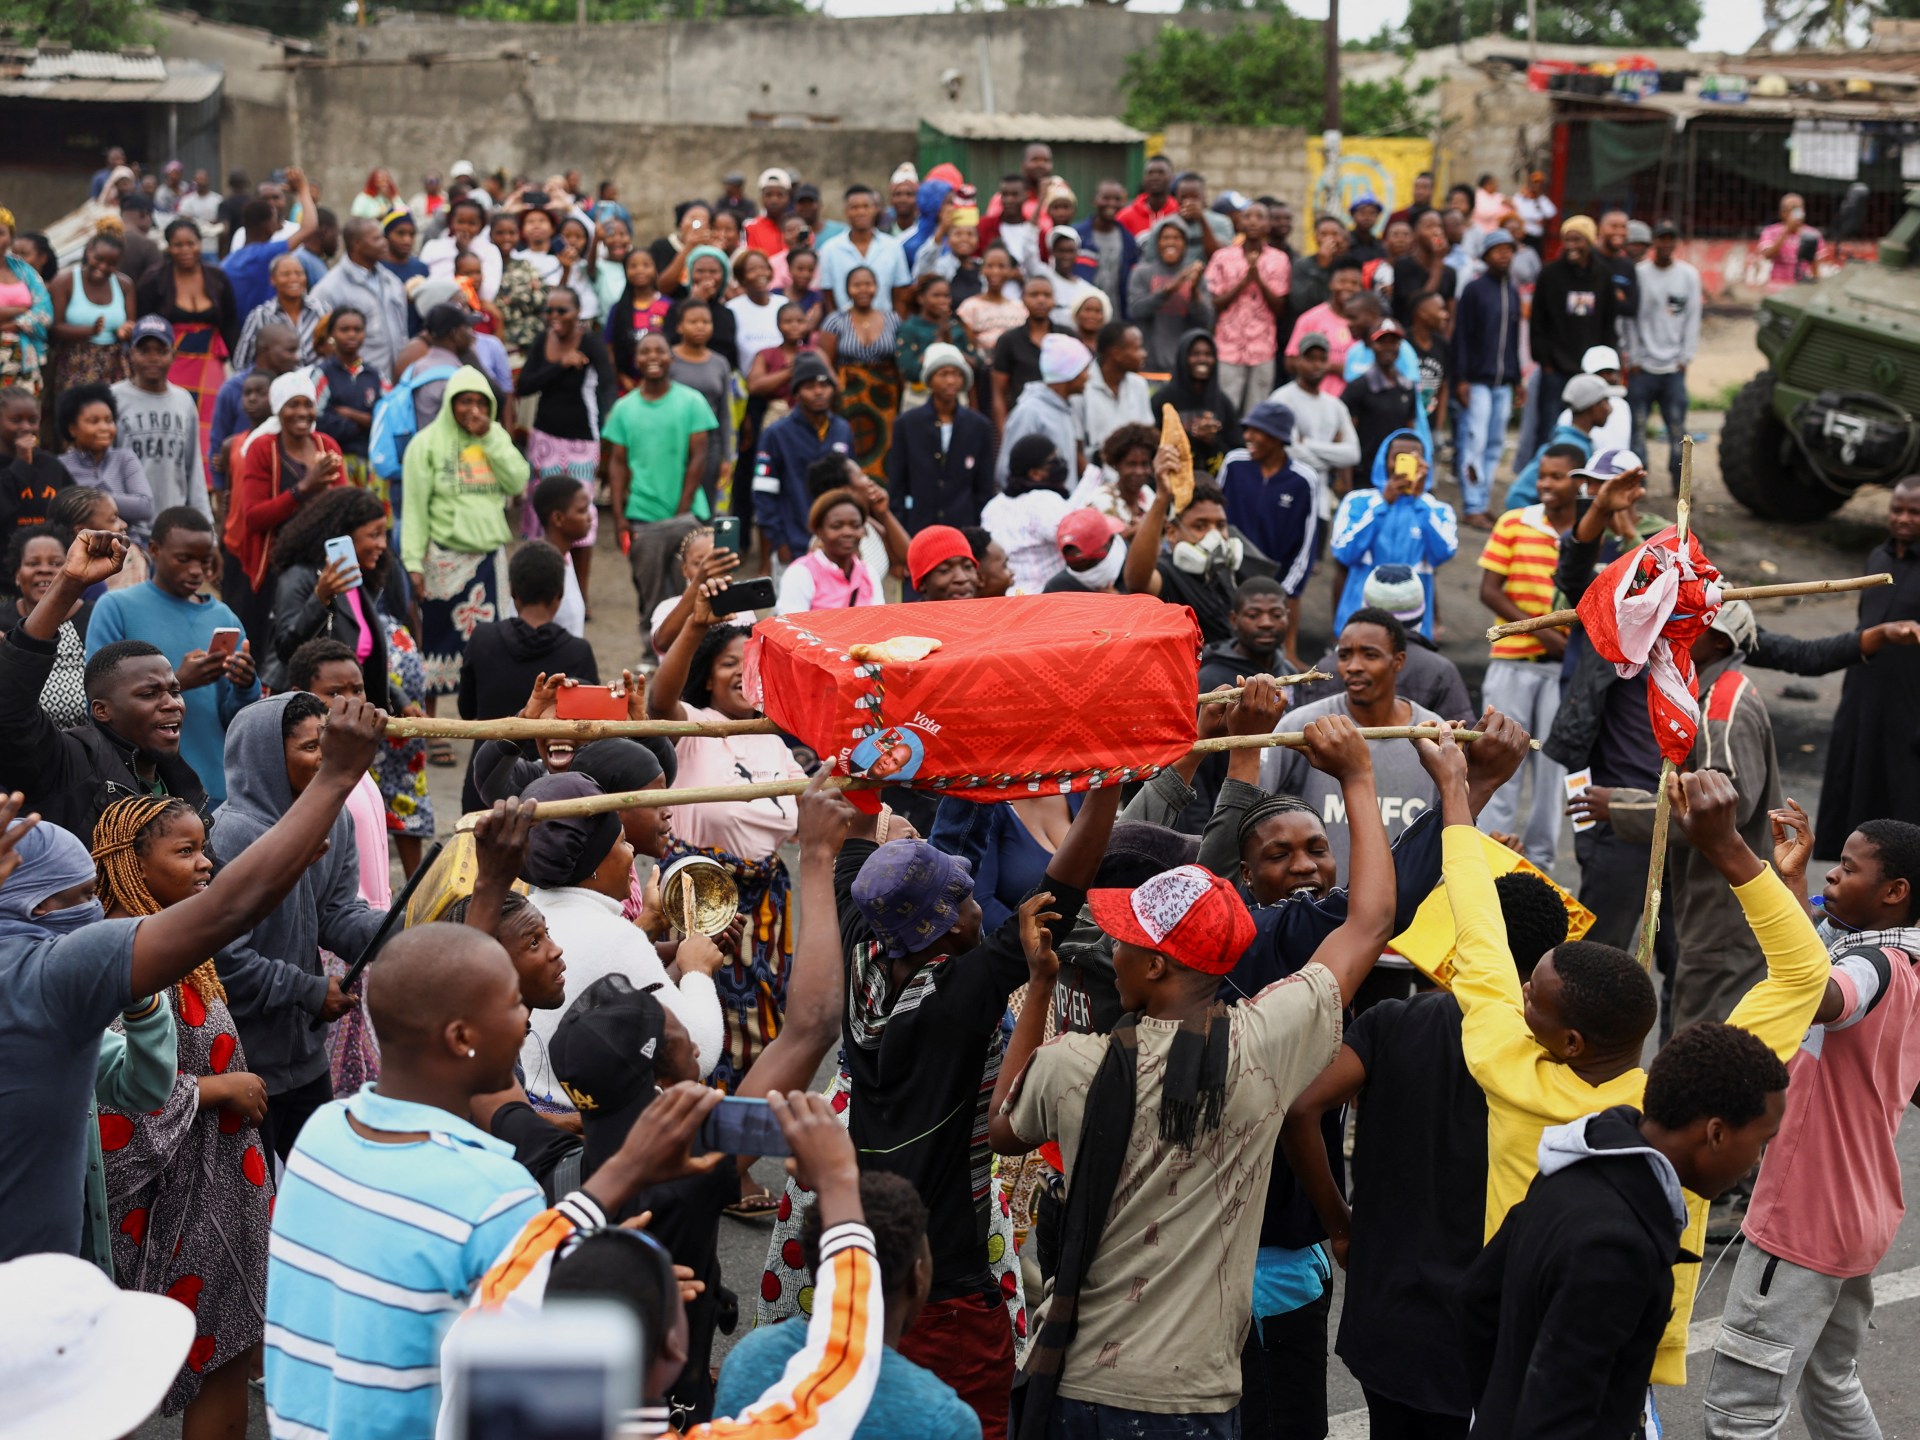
<point>536,1402</point>
<point>739,1126</point>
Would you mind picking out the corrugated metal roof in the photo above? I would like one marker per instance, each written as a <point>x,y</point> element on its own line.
<point>96,65</point>
<point>174,82</point>
<point>1057,129</point>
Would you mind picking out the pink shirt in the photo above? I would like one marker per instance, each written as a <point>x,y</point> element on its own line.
<point>751,829</point>
<point>1786,264</point>
<point>1829,1197</point>
<point>1333,325</point>
<point>363,643</point>
<point>369,815</point>
<point>1245,332</point>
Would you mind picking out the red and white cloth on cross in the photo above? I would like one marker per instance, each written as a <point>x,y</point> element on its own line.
<point>1644,611</point>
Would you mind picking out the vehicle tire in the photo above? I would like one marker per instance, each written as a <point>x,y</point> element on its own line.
<point>1760,465</point>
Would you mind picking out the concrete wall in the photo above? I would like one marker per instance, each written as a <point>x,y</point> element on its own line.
<point>1492,123</point>
<point>256,128</point>
<point>882,73</point>
<point>1253,159</point>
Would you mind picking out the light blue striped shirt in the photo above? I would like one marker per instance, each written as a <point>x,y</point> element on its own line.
<point>374,1251</point>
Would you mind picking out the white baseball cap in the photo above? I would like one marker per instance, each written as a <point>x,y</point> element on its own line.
<point>80,1358</point>
<point>1600,357</point>
<point>462,169</point>
<point>775,176</point>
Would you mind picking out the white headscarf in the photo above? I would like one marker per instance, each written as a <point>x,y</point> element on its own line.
<point>294,385</point>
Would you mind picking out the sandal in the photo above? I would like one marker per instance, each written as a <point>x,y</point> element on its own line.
<point>762,1204</point>
<point>440,752</point>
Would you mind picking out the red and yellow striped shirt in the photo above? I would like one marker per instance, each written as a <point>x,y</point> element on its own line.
<point>1523,550</point>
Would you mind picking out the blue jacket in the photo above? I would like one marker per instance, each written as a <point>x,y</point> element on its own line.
<point>1415,530</point>
<point>1526,485</point>
<point>1486,333</point>
<point>787,448</point>
<point>1087,262</point>
<point>1277,514</point>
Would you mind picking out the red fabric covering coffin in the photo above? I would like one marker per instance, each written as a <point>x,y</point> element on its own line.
<point>1026,694</point>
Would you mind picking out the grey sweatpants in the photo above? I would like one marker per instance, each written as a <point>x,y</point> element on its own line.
<point>1788,1329</point>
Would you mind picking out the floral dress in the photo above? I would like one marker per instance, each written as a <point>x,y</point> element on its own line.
<point>190,1197</point>
<point>400,766</point>
<point>522,300</point>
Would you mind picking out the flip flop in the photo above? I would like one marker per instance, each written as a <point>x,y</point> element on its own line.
<point>763,1204</point>
<point>440,752</point>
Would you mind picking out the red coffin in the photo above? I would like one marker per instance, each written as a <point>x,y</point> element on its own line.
<point>1025,694</point>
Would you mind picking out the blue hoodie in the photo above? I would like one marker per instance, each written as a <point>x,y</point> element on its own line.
<point>1486,332</point>
<point>1415,530</point>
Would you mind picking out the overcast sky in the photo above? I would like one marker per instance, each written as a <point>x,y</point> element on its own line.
<point>1733,24</point>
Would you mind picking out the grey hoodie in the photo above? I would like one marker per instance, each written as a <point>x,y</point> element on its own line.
<point>1162,315</point>
<point>1565,1145</point>
<point>274,978</point>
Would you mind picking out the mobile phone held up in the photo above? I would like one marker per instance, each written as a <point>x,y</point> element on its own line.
<point>755,594</point>
<point>590,702</point>
<point>1406,465</point>
<point>340,550</point>
<point>739,1126</point>
<point>225,641</point>
<point>569,1372</point>
<point>726,533</point>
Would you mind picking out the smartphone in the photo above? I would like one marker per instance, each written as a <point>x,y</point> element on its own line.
<point>755,594</point>
<point>224,642</point>
<point>1406,465</point>
<point>1577,784</point>
<point>590,702</point>
<point>566,1372</point>
<point>340,549</point>
<point>741,1127</point>
<point>726,533</point>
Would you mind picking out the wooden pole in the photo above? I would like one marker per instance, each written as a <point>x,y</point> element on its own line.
<point>518,727</point>
<point>1738,592</point>
<point>769,789</point>
<point>1662,805</point>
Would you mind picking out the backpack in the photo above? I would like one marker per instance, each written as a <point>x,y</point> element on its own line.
<point>394,424</point>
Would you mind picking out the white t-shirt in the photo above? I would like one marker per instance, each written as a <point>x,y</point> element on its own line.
<point>572,614</point>
<point>1534,212</point>
<point>755,327</point>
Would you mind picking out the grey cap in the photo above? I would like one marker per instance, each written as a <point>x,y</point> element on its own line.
<point>1585,390</point>
<point>1639,233</point>
<point>1314,340</point>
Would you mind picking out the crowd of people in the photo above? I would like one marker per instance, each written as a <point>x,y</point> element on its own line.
<point>291,475</point>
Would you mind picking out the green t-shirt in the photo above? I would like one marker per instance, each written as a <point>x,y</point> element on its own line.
<point>655,434</point>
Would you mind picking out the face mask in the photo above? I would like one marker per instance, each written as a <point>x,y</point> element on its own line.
<point>65,922</point>
<point>1057,473</point>
<point>1102,575</point>
<point>1215,552</point>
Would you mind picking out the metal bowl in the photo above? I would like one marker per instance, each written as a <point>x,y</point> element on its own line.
<point>698,895</point>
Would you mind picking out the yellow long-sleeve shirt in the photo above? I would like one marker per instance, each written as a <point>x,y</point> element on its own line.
<point>1527,1089</point>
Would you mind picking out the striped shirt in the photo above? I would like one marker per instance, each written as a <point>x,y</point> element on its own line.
<point>825,1388</point>
<point>375,1248</point>
<point>1523,550</point>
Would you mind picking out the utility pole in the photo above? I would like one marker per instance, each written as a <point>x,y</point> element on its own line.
<point>1533,33</point>
<point>1330,120</point>
<point>580,14</point>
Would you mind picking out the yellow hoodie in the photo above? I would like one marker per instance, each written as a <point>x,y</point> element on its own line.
<point>1527,1089</point>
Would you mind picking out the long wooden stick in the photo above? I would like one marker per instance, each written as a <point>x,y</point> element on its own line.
<point>770,789</point>
<point>1737,592</point>
<point>517,727</point>
<point>1227,694</point>
<point>1662,807</point>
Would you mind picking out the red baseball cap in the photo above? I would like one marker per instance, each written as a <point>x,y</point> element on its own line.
<point>1087,530</point>
<point>932,548</point>
<point>1190,915</point>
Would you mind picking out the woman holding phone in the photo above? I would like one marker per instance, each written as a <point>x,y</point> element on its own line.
<point>334,577</point>
<point>701,678</point>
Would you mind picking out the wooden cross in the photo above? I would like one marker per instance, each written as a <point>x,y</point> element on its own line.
<point>1683,519</point>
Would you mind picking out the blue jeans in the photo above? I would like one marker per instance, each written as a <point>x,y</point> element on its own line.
<point>1669,392</point>
<point>1079,1420</point>
<point>1481,440</point>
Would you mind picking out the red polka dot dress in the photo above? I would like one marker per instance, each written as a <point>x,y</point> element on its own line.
<point>190,1199</point>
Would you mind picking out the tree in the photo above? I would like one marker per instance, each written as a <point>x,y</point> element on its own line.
<point>1827,22</point>
<point>83,24</point>
<point>1264,74</point>
<point>1668,23</point>
<point>283,17</point>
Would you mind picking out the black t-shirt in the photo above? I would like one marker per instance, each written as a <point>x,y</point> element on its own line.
<point>1419,1201</point>
<point>1435,371</point>
<point>1209,596</point>
<point>27,490</point>
<point>1377,412</point>
<point>920,1095</point>
<point>1016,355</point>
<point>1410,278</point>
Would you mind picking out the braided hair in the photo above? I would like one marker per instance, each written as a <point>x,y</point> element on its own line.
<point>699,687</point>
<point>1261,811</point>
<point>120,836</point>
